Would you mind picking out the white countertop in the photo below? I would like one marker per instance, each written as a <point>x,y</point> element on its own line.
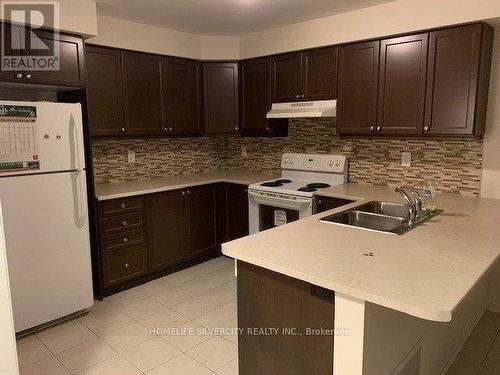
<point>155,185</point>
<point>426,272</point>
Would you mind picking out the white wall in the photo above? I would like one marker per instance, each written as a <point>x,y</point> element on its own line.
<point>77,17</point>
<point>386,19</point>
<point>113,32</point>
<point>220,48</point>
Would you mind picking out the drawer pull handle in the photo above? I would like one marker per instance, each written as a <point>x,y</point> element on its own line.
<point>125,223</point>
<point>124,205</point>
<point>126,265</point>
<point>125,240</point>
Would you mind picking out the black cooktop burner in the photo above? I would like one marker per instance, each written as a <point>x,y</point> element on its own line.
<point>272,184</point>
<point>307,189</point>
<point>276,183</point>
<point>318,185</point>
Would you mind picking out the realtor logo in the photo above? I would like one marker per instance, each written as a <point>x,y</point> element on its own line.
<point>23,47</point>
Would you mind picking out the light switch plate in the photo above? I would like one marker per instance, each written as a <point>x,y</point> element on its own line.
<point>131,156</point>
<point>244,152</point>
<point>406,159</point>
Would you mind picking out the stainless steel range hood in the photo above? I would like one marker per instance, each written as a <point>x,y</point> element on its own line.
<point>320,108</point>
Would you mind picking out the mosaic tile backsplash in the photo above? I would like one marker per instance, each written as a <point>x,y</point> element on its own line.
<point>454,165</point>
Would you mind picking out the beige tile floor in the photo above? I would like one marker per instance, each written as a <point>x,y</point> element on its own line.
<point>184,309</point>
<point>115,338</point>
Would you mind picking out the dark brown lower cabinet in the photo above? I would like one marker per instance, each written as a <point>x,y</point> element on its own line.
<point>148,236</point>
<point>236,211</point>
<point>201,221</point>
<point>268,299</point>
<point>166,214</point>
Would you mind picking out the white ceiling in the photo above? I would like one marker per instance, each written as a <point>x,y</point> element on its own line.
<point>226,17</point>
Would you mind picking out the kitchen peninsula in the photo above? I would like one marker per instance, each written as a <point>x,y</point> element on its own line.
<point>422,313</point>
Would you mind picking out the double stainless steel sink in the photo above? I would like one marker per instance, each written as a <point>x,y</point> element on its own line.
<point>381,217</point>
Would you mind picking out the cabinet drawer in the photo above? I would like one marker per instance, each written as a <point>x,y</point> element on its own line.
<point>124,266</point>
<point>122,223</point>
<point>122,241</point>
<point>121,206</point>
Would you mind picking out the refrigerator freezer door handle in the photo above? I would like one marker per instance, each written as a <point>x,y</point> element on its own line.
<point>78,144</point>
<point>80,212</point>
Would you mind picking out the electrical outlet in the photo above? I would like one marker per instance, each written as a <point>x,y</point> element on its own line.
<point>131,156</point>
<point>406,159</point>
<point>244,152</point>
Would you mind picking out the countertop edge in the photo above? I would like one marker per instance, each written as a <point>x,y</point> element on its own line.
<point>170,188</point>
<point>418,312</point>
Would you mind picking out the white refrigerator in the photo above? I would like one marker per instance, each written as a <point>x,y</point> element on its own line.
<point>44,197</point>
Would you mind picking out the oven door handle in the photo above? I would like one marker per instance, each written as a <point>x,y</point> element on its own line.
<point>275,201</point>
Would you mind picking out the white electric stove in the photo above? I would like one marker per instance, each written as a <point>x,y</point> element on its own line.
<point>291,197</point>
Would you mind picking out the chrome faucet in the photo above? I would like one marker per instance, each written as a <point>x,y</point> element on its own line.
<point>418,202</point>
<point>410,204</point>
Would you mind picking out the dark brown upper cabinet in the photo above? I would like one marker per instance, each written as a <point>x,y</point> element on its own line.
<point>183,96</point>
<point>320,74</point>
<point>71,69</point>
<point>143,94</point>
<point>255,96</point>
<point>458,80</point>
<point>358,88</point>
<point>309,75</point>
<point>104,91</point>
<point>9,35</point>
<point>166,223</point>
<point>287,77</point>
<point>220,87</point>
<point>201,221</point>
<point>401,89</point>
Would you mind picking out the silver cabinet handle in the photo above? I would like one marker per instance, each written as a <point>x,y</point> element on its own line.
<point>170,129</point>
<point>379,128</point>
<point>123,130</point>
<point>320,201</point>
<point>165,129</point>
<point>19,76</point>
<point>372,128</point>
<point>298,96</point>
<point>125,223</point>
<point>125,240</point>
<point>426,128</point>
<point>268,128</point>
<point>126,265</point>
<point>28,76</point>
<point>124,205</point>
<point>236,128</point>
<point>303,96</point>
<point>183,193</point>
<point>188,192</point>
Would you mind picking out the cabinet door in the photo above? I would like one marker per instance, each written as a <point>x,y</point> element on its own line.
<point>357,88</point>
<point>287,77</point>
<point>269,299</point>
<point>143,95</point>
<point>401,95</point>
<point>201,221</point>
<point>236,211</point>
<point>221,98</point>
<point>166,214</point>
<point>10,43</point>
<point>453,72</point>
<point>255,80</point>
<point>320,74</point>
<point>71,70</point>
<point>104,91</point>
<point>184,96</point>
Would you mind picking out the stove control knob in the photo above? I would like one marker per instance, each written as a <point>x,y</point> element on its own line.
<point>337,163</point>
<point>330,163</point>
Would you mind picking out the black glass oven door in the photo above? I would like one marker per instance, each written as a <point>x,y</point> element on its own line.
<point>271,217</point>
